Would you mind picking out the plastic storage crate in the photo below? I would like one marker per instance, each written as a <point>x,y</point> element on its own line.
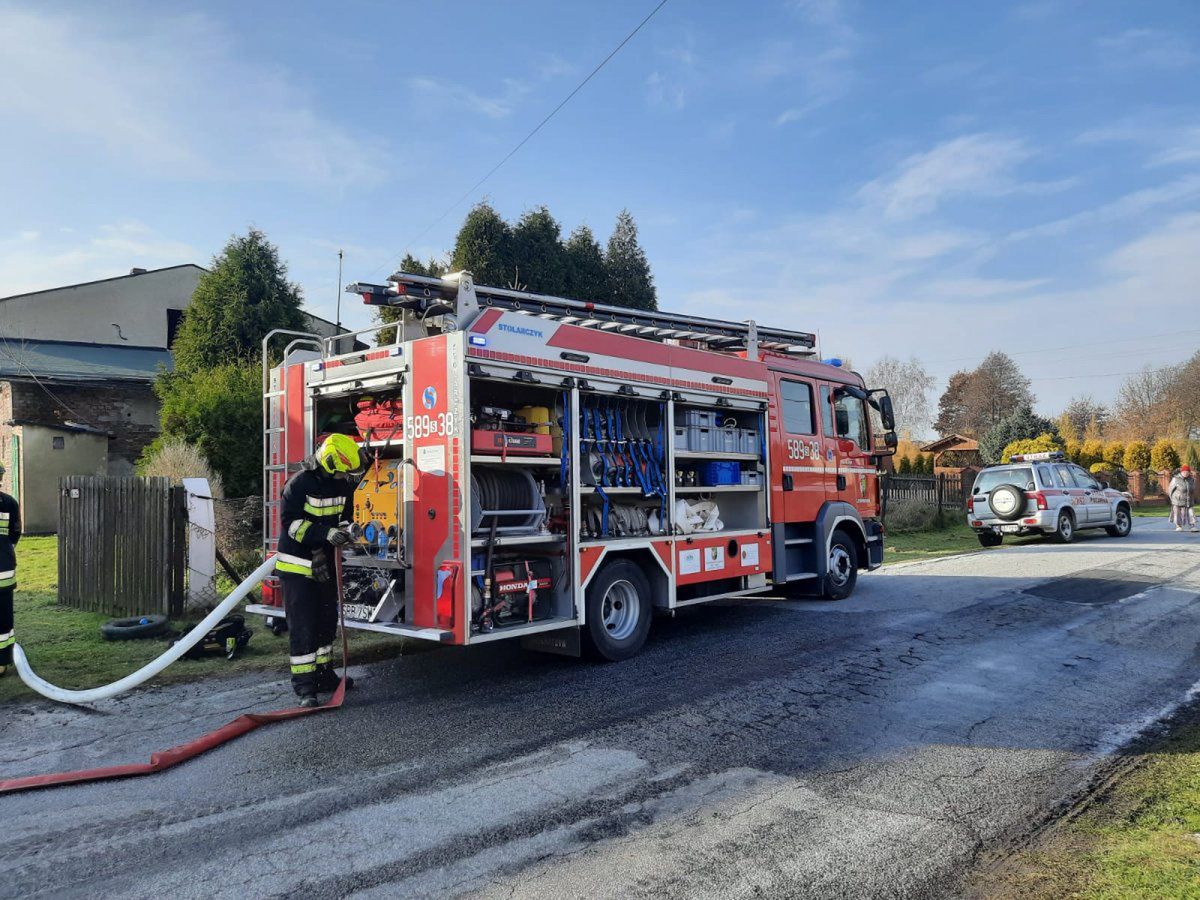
<point>716,474</point>
<point>700,418</point>
<point>727,440</point>
<point>748,441</point>
<point>700,439</point>
<point>749,477</point>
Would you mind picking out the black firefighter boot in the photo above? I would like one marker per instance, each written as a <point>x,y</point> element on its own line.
<point>328,679</point>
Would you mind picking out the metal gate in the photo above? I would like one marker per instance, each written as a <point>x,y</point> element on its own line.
<point>121,545</point>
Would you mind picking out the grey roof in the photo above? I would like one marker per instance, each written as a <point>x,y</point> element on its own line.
<point>61,426</point>
<point>67,287</point>
<point>68,361</point>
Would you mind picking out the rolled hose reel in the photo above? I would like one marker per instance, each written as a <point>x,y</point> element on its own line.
<point>505,492</point>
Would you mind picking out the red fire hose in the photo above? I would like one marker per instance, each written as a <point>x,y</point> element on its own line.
<point>166,759</point>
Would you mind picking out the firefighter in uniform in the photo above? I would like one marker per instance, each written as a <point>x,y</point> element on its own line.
<point>315,500</point>
<point>10,533</point>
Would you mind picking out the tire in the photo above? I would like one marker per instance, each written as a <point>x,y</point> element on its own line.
<point>989,538</point>
<point>1007,502</point>
<point>1123,524</point>
<point>1065,532</point>
<point>842,568</point>
<point>617,606</point>
<point>134,628</point>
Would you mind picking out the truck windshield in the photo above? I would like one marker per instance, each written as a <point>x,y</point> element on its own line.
<point>990,478</point>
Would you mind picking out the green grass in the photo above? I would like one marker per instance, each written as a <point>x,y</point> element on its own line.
<point>64,645</point>
<point>1140,838</point>
<point>951,539</point>
<point>1152,512</point>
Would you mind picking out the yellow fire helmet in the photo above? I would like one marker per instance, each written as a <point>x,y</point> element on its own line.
<point>338,453</point>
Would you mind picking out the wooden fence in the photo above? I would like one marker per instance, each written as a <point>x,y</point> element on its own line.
<point>121,545</point>
<point>944,492</point>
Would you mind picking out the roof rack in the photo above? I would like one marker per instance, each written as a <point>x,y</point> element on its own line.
<point>1056,455</point>
<point>457,295</point>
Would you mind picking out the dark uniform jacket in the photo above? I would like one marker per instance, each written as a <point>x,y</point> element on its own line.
<point>10,533</point>
<point>313,502</point>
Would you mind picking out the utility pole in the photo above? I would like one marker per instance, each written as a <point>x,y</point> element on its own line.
<point>338,323</point>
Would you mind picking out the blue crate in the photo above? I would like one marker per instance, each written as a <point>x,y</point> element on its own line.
<point>715,474</point>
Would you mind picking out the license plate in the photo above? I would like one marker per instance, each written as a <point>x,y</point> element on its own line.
<point>1010,529</point>
<point>357,611</point>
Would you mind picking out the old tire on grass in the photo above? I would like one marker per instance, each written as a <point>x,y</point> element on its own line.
<point>134,628</point>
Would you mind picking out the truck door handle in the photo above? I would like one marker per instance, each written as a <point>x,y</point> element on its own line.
<point>841,482</point>
<point>787,482</point>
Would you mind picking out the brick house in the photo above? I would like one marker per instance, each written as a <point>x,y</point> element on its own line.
<point>76,368</point>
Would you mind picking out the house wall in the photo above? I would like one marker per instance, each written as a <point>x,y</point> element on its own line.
<point>87,312</point>
<point>42,465</point>
<point>128,411</point>
<point>6,433</point>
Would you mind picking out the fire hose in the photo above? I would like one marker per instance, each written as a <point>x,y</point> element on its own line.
<point>165,759</point>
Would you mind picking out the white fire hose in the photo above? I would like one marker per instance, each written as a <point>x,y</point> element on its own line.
<point>148,671</point>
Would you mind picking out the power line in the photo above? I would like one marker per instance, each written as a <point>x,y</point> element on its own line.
<point>511,153</point>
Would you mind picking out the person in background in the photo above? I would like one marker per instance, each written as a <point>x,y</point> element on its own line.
<point>10,534</point>
<point>1182,492</point>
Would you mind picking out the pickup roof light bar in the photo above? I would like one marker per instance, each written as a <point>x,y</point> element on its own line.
<point>1056,455</point>
<point>425,295</point>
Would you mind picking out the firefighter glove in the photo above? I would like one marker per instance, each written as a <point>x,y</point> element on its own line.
<point>338,536</point>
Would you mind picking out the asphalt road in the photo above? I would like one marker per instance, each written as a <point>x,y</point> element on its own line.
<point>871,748</point>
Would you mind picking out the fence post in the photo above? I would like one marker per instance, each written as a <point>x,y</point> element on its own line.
<point>939,493</point>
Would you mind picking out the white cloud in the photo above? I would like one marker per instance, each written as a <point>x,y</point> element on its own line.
<point>443,96</point>
<point>1146,47</point>
<point>33,262</point>
<point>977,164</point>
<point>1124,208</point>
<point>172,98</point>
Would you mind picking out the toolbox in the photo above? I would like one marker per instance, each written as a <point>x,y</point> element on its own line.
<point>715,474</point>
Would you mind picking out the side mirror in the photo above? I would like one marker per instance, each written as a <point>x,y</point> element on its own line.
<point>890,440</point>
<point>887,414</point>
<point>1104,485</point>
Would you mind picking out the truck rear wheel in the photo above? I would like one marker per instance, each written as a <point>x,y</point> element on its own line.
<point>842,573</point>
<point>617,610</point>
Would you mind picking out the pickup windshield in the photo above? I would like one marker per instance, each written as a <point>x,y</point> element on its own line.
<point>990,478</point>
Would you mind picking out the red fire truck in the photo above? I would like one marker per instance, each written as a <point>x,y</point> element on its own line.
<point>557,471</point>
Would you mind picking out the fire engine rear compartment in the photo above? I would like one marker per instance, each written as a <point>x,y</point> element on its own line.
<point>505,479</point>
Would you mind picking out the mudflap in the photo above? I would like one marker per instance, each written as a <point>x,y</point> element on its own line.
<point>563,641</point>
<point>874,530</point>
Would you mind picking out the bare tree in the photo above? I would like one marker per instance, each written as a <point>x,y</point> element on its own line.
<point>1143,407</point>
<point>1080,415</point>
<point>909,385</point>
<point>976,401</point>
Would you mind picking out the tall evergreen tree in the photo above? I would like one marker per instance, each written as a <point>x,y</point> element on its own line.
<point>484,247</point>
<point>213,398</point>
<point>630,281</point>
<point>243,296</point>
<point>539,259</point>
<point>587,278</point>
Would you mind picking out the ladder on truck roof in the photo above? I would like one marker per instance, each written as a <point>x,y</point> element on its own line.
<point>457,295</point>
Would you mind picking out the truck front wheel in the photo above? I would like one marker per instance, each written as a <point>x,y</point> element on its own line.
<point>617,610</point>
<point>842,571</point>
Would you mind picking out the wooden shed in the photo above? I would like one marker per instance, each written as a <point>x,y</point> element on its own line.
<point>954,453</point>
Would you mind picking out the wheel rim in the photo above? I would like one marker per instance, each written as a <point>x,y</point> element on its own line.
<point>839,565</point>
<point>621,610</point>
<point>1122,521</point>
<point>1065,527</point>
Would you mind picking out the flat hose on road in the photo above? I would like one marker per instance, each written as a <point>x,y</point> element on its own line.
<point>165,759</point>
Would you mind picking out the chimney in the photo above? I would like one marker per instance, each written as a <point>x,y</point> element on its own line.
<point>137,271</point>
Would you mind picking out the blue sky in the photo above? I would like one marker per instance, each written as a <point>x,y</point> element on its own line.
<point>929,179</point>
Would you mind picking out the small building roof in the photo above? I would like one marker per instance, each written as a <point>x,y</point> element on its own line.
<point>69,361</point>
<point>951,442</point>
<point>136,273</point>
<point>62,426</point>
